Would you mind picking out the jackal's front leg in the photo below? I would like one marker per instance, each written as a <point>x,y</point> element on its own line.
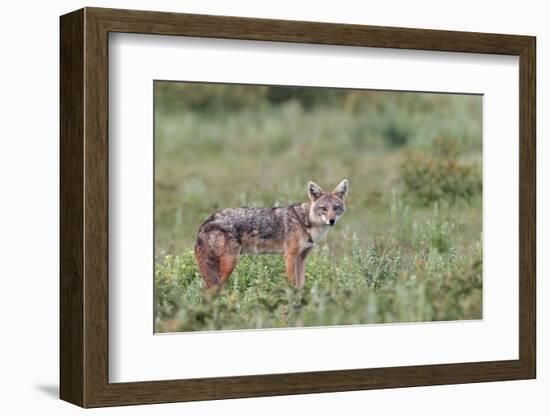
<point>291,260</point>
<point>301,268</point>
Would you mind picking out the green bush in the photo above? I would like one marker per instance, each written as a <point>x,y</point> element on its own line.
<point>396,134</point>
<point>374,284</point>
<point>441,175</point>
<point>173,97</point>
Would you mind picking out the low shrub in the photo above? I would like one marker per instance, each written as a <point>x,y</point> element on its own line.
<point>440,175</point>
<point>367,285</point>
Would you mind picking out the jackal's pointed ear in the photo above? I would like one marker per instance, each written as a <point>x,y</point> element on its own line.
<point>314,191</point>
<point>341,191</point>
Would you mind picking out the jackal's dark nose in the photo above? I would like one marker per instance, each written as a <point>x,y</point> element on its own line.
<point>332,222</point>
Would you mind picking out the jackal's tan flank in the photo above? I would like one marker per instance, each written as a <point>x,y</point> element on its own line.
<point>292,231</point>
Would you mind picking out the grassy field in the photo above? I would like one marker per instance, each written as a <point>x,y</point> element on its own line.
<point>408,248</point>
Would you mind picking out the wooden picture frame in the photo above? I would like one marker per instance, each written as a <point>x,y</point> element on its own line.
<point>84,207</point>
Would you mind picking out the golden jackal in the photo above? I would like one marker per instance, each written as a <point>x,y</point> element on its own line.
<point>292,231</point>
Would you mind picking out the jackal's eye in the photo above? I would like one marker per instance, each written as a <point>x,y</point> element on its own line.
<point>337,207</point>
<point>323,209</point>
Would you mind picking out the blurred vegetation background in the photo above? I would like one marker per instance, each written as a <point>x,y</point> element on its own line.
<point>408,248</point>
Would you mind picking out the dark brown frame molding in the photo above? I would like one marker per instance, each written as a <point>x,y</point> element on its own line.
<point>84,207</point>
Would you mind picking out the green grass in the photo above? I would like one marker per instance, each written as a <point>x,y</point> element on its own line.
<point>408,248</point>
<point>387,281</point>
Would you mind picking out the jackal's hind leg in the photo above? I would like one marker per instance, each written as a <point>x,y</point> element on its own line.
<point>208,265</point>
<point>217,254</point>
<point>227,265</point>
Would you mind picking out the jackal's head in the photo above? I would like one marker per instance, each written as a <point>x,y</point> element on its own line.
<point>327,207</point>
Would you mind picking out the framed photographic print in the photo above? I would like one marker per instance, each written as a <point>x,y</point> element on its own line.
<point>255,207</point>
